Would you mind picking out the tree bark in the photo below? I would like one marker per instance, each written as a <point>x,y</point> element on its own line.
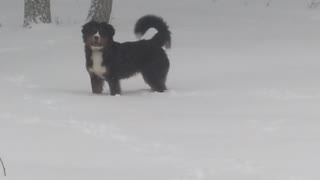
<point>100,10</point>
<point>36,11</point>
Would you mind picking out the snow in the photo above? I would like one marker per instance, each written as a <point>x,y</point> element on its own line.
<point>243,99</point>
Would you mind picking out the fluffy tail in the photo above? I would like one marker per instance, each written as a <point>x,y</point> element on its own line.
<point>162,37</point>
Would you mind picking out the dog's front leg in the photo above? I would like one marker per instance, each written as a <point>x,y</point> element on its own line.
<point>96,84</point>
<point>114,85</point>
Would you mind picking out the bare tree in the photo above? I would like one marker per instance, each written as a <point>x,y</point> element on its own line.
<point>268,3</point>
<point>36,11</point>
<point>313,4</point>
<point>4,169</point>
<point>100,10</point>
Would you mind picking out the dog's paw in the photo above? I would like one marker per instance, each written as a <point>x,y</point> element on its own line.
<point>96,92</point>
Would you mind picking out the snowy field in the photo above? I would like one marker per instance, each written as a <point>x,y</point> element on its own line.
<point>243,102</point>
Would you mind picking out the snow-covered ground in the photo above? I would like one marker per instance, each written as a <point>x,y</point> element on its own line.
<point>243,102</point>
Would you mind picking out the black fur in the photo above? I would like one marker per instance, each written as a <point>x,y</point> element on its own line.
<point>123,60</point>
<point>162,38</point>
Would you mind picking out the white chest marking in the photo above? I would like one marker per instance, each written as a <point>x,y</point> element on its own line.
<point>97,68</point>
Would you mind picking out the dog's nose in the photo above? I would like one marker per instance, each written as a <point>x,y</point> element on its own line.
<point>96,38</point>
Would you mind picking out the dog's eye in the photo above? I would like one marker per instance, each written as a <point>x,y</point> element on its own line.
<point>93,31</point>
<point>103,32</point>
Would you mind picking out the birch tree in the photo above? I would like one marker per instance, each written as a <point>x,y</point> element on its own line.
<point>36,11</point>
<point>100,10</point>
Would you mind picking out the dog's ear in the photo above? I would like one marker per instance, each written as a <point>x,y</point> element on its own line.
<point>84,32</point>
<point>86,27</point>
<point>109,28</point>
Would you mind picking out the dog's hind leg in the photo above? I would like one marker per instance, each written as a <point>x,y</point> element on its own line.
<point>155,73</point>
<point>96,84</point>
<point>157,81</point>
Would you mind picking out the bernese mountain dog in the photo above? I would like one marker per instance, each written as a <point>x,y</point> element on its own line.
<point>111,61</point>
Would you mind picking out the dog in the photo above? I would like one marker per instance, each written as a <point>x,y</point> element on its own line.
<point>111,61</point>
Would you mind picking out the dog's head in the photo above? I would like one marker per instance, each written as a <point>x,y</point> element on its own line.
<point>97,35</point>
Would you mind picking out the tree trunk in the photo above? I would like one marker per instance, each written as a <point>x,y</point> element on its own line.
<point>100,10</point>
<point>36,11</point>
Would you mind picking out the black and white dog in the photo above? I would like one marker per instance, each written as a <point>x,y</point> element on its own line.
<point>108,60</point>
